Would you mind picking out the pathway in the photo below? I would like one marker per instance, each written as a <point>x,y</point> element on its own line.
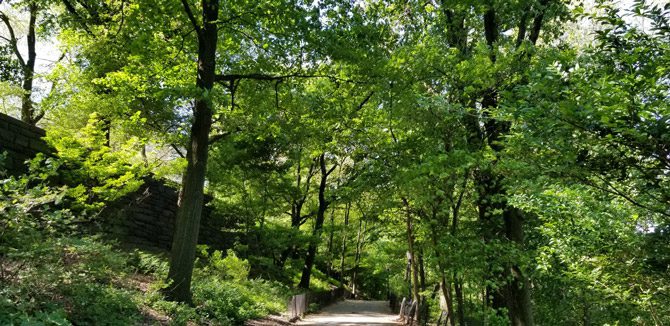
<point>353,313</point>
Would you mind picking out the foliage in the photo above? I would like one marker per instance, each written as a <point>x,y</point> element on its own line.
<point>478,136</point>
<point>66,280</point>
<point>230,302</point>
<point>229,267</point>
<point>98,173</point>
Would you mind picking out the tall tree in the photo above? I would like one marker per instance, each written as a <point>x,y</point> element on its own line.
<point>29,113</point>
<point>318,223</point>
<point>192,194</point>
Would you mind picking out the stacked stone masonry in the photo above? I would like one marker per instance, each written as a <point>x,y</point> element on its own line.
<point>149,217</point>
<point>20,141</point>
<point>145,218</point>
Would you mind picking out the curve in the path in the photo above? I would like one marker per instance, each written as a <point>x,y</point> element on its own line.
<point>353,313</point>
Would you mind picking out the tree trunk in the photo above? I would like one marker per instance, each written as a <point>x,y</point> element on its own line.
<point>330,241</point>
<point>188,214</point>
<point>296,209</point>
<point>27,106</point>
<point>422,272</point>
<point>519,302</point>
<point>514,294</point>
<point>444,286</point>
<point>357,256</point>
<point>460,309</point>
<point>318,225</point>
<point>344,240</point>
<point>413,264</point>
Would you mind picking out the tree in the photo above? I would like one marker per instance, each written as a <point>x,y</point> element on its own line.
<point>26,63</point>
<point>192,193</point>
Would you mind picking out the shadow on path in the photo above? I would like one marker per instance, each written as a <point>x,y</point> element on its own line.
<point>353,313</point>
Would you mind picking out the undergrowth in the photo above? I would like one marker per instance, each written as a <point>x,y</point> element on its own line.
<point>54,272</point>
<point>86,281</point>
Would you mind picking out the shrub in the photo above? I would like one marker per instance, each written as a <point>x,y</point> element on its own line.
<point>230,267</point>
<point>95,172</point>
<point>233,302</point>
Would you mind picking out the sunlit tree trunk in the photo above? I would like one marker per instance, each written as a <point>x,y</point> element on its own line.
<point>28,114</point>
<point>188,215</point>
<point>27,106</point>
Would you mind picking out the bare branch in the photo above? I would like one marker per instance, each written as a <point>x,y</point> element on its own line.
<point>176,149</point>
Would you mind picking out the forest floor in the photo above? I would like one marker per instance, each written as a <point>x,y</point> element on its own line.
<point>353,313</point>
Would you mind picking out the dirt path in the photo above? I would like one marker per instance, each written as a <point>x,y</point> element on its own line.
<point>353,313</point>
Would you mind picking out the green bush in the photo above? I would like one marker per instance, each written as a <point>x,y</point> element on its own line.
<point>230,267</point>
<point>233,302</point>
<point>96,173</point>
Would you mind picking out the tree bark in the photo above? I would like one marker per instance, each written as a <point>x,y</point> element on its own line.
<point>27,106</point>
<point>460,302</point>
<point>330,241</point>
<point>297,204</point>
<point>413,263</point>
<point>344,240</point>
<point>188,215</point>
<point>318,225</point>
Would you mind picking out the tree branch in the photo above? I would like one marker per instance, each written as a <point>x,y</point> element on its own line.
<point>613,190</point>
<point>221,78</point>
<point>304,218</point>
<point>191,17</point>
<point>331,169</point>
<point>12,38</point>
<point>73,11</point>
<point>537,22</point>
<point>221,136</point>
<point>360,106</point>
<point>176,149</point>
<point>259,76</point>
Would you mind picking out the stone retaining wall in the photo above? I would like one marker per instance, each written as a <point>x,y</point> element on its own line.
<point>21,141</point>
<point>148,219</point>
<point>145,218</point>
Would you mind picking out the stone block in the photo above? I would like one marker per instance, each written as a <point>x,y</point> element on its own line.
<point>39,146</point>
<point>22,141</point>
<point>6,136</point>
